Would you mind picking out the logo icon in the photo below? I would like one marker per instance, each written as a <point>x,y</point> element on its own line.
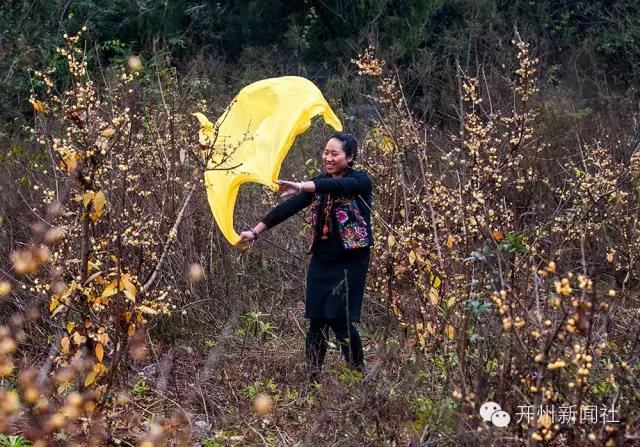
<point>492,412</point>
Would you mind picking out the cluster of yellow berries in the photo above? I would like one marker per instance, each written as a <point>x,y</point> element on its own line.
<point>368,64</point>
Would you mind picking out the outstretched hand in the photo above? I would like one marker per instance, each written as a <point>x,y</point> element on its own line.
<point>287,188</point>
<point>246,236</point>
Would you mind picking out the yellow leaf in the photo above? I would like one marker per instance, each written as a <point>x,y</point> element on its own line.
<point>99,352</point>
<point>87,198</point>
<point>147,310</point>
<point>64,344</point>
<point>412,257</point>
<point>132,330</point>
<point>70,161</point>
<point>98,205</point>
<point>70,326</point>
<point>434,296</point>
<point>391,241</point>
<point>94,265</point>
<point>102,338</point>
<point>91,377</point>
<point>96,372</point>
<point>435,280</point>
<point>450,302</point>
<point>431,329</point>
<point>54,303</point>
<point>497,235</point>
<point>422,338</point>
<point>450,331</point>
<point>108,132</point>
<point>77,338</point>
<point>109,290</point>
<point>63,388</point>
<point>127,287</point>
<point>38,106</point>
<point>450,241</point>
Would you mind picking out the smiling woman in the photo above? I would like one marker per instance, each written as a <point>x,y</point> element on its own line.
<point>341,240</point>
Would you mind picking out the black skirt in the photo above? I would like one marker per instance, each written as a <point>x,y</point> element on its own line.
<point>335,288</point>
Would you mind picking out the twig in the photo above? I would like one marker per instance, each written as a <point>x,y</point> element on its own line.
<point>171,236</point>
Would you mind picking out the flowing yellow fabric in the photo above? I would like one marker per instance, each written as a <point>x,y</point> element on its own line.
<point>253,137</point>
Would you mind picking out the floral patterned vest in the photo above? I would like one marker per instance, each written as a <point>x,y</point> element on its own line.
<point>352,226</point>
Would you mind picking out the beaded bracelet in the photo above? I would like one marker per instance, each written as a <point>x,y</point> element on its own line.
<point>255,234</point>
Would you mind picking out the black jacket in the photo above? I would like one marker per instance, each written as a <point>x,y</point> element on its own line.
<point>350,225</point>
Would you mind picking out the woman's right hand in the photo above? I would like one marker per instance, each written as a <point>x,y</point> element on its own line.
<point>246,236</point>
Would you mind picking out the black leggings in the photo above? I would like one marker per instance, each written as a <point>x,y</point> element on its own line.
<point>346,335</point>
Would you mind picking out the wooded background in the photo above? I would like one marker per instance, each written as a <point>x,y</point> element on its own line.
<point>502,139</point>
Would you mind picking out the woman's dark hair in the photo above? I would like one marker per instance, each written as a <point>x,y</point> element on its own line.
<point>349,144</point>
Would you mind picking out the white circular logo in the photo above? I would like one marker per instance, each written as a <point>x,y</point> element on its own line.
<point>500,418</point>
<point>487,409</point>
<point>492,412</point>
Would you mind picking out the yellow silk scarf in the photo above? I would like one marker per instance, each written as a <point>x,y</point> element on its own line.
<point>250,140</point>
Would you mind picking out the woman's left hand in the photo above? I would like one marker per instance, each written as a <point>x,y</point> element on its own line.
<point>288,188</point>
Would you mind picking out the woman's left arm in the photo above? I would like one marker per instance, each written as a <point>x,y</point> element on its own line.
<point>351,185</point>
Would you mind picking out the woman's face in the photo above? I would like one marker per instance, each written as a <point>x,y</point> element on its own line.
<point>334,158</point>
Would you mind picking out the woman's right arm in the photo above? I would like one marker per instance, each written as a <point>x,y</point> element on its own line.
<point>288,208</point>
<point>280,213</point>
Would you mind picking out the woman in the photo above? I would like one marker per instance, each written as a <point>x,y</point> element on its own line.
<point>342,237</point>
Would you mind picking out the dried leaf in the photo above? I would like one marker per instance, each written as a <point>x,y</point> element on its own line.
<point>109,290</point>
<point>435,280</point>
<point>108,132</point>
<point>391,241</point>
<point>102,338</point>
<point>434,296</point>
<point>87,198</point>
<point>69,161</point>
<point>99,352</point>
<point>98,205</point>
<point>127,287</point>
<point>412,257</point>
<point>450,331</point>
<point>422,338</point>
<point>450,241</point>
<point>91,377</point>
<point>64,344</point>
<point>38,106</point>
<point>147,310</point>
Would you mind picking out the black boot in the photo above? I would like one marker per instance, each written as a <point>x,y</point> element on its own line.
<point>315,350</point>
